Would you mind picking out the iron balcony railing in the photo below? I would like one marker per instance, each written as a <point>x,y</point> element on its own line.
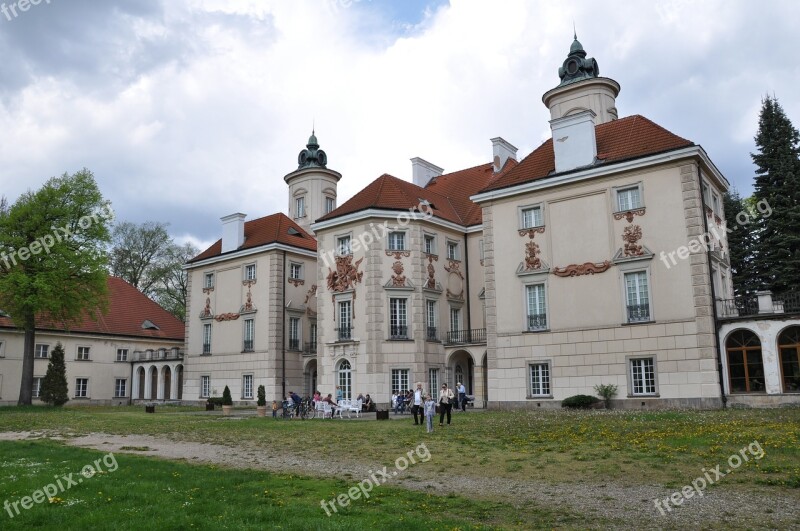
<point>345,333</point>
<point>466,337</point>
<point>206,348</point>
<point>145,355</point>
<point>638,313</point>
<point>537,321</point>
<point>248,345</point>
<point>294,344</point>
<point>398,332</point>
<point>790,301</point>
<point>430,334</point>
<point>738,307</point>
<point>311,347</point>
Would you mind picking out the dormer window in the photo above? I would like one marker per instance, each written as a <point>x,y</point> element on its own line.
<point>149,325</point>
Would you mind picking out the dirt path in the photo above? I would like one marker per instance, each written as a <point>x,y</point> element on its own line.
<point>718,507</point>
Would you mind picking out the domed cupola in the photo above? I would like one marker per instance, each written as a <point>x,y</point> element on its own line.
<point>312,156</point>
<point>577,66</point>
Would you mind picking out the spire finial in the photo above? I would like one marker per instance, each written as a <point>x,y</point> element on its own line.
<point>574,31</point>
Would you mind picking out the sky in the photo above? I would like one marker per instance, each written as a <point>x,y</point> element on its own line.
<point>190,110</point>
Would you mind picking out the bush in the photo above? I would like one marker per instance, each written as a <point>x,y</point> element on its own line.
<point>262,396</point>
<point>216,400</point>
<point>54,385</point>
<point>580,401</point>
<point>226,397</point>
<point>606,392</point>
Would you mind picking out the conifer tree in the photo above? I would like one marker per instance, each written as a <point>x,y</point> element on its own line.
<point>741,244</point>
<point>777,185</point>
<point>54,385</point>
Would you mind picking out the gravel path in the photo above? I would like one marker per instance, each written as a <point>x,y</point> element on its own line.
<point>629,506</point>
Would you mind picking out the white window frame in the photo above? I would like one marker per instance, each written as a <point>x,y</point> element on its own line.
<point>619,190</point>
<point>249,272</point>
<point>433,382</point>
<point>249,334</point>
<point>205,386</point>
<point>37,354</point>
<point>83,349</point>
<point>208,280</point>
<point>300,207</point>
<point>638,360</point>
<point>646,272</point>
<point>524,223</point>
<point>344,379</point>
<point>84,390</point>
<point>344,319</point>
<point>396,240</point>
<point>298,267</point>
<point>431,318</point>
<point>295,333</point>
<point>457,321</point>
<point>544,385</point>
<point>247,392</point>
<point>330,204</point>
<point>398,318</point>
<point>124,385</point>
<point>716,204</point>
<point>398,377</point>
<point>207,335</point>
<point>456,250</point>
<point>36,390</point>
<point>124,357</point>
<point>429,249</point>
<point>342,250</point>
<point>526,293</point>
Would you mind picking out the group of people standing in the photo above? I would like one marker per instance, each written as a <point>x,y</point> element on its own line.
<point>423,407</point>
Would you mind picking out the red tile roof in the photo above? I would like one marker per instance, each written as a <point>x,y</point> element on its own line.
<point>448,194</point>
<point>128,308</point>
<point>264,231</point>
<point>624,139</point>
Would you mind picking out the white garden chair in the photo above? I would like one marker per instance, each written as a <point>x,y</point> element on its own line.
<point>355,408</point>
<point>344,407</point>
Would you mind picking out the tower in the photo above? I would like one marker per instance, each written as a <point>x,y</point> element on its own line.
<point>312,186</point>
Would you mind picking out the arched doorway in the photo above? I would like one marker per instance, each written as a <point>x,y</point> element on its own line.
<point>745,366</point>
<point>789,348</point>
<point>141,377</point>
<point>345,379</point>
<point>461,369</point>
<point>179,371</point>
<point>153,383</point>
<point>311,377</point>
<point>166,377</point>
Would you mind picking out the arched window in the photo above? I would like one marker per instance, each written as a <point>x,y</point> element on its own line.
<point>745,367</point>
<point>789,347</point>
<point>459,374</point>
<point>345,379</point>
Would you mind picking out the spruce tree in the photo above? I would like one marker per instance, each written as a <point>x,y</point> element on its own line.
<point>777,188</point>
<point>741,244</point>
<point>54,386</point>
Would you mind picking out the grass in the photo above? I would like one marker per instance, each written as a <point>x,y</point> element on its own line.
<point>663,447</point>
<point>133,492</point>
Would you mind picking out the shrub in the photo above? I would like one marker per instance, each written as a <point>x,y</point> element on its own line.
<point>226,397</point>
<point>54,385</point>
<point>216,400</point>
<point>580,401</point>
<point>606,392</point>
<point>262,396</point>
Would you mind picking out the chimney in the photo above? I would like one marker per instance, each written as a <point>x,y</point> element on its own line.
<point>501,152</point>
<point>423,171</point>
<point>574,143</point>
<point>232,231</point>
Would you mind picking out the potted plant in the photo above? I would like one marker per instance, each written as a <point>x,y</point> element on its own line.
<point>606,392</point>
<point>227,401</point>
<point>261,408</point>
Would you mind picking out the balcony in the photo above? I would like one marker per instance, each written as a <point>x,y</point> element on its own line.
<point>430,334</point>
<point>760,303</point>
<point>537,322</point>
<point>398,332</point>
<point>150,355</point>
<point>638,313</point>
<point>311,348</point>
<point>466,337</point>
<point>344,333</point>
<point>294,344</point>
<point>206,348</point>
<point>248,345</point>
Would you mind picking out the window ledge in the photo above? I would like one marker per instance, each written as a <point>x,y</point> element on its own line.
<point>638,323</point>
<point>395,339</point>
<point>657,395</point>
<point>539,397</point>
<point>537,331</point>
<point>76,359</point>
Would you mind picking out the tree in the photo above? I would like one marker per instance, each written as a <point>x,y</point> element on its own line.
<point>54,385</point>
<point>53,259</point>
<point>741,243</point>
<point>227,400</point>
<point>170,292</point>
<point>777,185</point>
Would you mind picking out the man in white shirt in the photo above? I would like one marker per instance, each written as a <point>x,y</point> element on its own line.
<point>462,396</point>
<point>419,405</point>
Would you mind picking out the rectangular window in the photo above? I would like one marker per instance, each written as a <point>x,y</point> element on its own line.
<point>206,339</point>
<point>37,387</point>
<point>83,354</point>
<point>430,320</point>
<point>481,250</point>
<point>330,205</point>
<point>398,319</point>
<point>532,217</point>
<point>122,354</point>
<point>295,271</point>
<point>81,387</point>
<point>715,205</point>
<point>344,320</point>
<point>452,251</point>
<point>294,333</point>
<point>400,380</point>
<point>430,244</point>
<point>208,281</point>
<point>41,351</point>
<point>247,386</point>
<point>343,245</point>
<point>120,388</point>
<point>629,198</point>
<point>249,334</point>
<point>312,345</point>
<point>638,297</point>
<point>205,386</point>
<point>540,379</point>
<point>706,194</point>
<point>455,319</point>
<point>2,352</point>
<point>397,241</point>
<point>643,376</point>
<point>537,307</point>
<point>300,207</point>
<point>250,272</point>
<point>433,383</point>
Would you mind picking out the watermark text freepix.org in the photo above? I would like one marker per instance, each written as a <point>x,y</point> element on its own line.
<point>375,479</point>
<point>59,234</point>
<point>11,10</point>
<point>62,483</point>
<point>697,487</point>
